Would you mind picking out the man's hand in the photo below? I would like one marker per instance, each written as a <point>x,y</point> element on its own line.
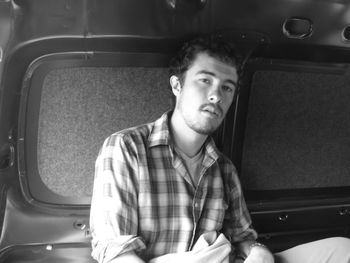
<point>253,252</point>
<point>259,254</point>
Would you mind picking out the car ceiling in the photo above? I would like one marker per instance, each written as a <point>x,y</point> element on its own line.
<point>172,18</point>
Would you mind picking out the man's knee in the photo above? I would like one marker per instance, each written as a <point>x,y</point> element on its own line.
<point>340,243</point>
<point>329,250</point>
<point>339,248</point>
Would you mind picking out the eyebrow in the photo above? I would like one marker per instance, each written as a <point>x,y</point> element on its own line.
<point>213,74</point>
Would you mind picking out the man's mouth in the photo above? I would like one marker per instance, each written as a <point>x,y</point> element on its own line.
<point>212,110</point>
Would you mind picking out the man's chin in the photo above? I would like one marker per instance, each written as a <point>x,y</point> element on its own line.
<point>203,125</point>
<point>205,130</point>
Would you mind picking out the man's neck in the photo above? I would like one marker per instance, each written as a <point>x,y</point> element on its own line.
<point>186,139</point>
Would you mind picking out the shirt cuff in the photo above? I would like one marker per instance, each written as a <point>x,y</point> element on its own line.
<point>106,251</point>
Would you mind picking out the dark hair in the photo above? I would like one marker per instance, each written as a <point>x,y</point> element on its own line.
<point>213,45</point>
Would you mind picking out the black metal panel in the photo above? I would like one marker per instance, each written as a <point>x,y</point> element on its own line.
<point>282,228</point>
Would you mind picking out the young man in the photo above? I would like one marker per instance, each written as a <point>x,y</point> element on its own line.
<point>162,188</point>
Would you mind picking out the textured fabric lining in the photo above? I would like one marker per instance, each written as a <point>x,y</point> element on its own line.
<point>80,107</point>
<point>297,132</point>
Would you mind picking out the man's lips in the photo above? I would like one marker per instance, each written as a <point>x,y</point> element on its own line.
<point>213,109</point>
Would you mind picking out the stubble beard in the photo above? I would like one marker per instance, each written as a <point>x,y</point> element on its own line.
<point>198,123</point>
<point>203,127</point>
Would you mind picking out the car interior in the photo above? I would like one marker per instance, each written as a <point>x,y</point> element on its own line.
<point>72,72</point>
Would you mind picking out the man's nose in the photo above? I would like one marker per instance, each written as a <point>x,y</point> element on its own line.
<point>214,95</point>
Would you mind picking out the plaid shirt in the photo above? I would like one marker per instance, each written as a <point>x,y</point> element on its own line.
<point>144,200</point>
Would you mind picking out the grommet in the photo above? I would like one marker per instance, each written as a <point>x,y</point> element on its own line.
<point>346,33</point>
<point>79,225</point>
<point>297,28</point>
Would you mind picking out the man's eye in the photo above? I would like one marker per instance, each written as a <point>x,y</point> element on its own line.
<point>228,88</point>
<point>207,81</point>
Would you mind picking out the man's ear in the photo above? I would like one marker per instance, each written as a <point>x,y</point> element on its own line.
<point>175,85</point>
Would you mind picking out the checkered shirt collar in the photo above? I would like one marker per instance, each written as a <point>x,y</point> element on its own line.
<point>160,135</point>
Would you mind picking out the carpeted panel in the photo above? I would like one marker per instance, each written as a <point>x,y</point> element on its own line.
<point>298,131</point>
<point>80,107</point>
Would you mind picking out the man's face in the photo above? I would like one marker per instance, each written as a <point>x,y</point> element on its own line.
<point>205,94</point>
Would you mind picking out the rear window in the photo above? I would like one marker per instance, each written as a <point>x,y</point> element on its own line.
<point>72,109</point>
<point>296,131</point>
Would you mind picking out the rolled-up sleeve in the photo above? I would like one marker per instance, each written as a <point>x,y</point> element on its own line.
<point>114,213</point>
<point>237,222</point>
<point>242,226</point>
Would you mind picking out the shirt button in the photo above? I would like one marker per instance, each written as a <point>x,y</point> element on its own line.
<point>196,204</point>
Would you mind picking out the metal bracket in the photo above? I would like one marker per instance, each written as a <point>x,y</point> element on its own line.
<point>185,5</point>
<point>7,156</point>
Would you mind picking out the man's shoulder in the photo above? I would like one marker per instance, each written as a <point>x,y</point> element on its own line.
<point>225,162</point>
<point>136,134</point>
<point>147,134</point>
